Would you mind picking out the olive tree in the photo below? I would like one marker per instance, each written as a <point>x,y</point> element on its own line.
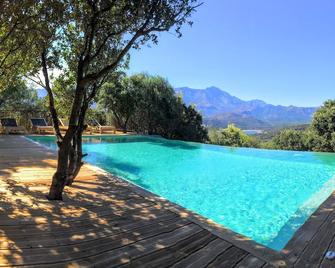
<point>91,40</point>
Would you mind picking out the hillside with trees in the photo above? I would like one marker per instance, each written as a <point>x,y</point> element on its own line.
<point>318,136</point>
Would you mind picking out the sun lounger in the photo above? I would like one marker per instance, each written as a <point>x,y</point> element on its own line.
<point>95,125</point>
<point>64,125</point>
<point>9,126</point>
<point>40,125</point>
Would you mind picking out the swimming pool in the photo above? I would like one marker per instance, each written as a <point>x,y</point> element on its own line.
<point>263,194</point>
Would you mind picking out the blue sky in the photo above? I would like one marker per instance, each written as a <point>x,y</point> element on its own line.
<point>280,51</point>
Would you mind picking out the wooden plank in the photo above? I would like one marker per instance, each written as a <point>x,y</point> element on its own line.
<point>109,220</point>
<point>205,255</point>
<point>112,258</point>
<point>326,263</point>
<point>316,248</point>
<point>124,254</point>
<point>166,257</point>
<point>66,218</point>
<point>65,238</point>
<point>228,258</point>
<point>46,255</point>
<point>309,229</point>
<point>250,261</point>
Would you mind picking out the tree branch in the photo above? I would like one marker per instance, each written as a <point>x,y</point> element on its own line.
<point>53,111</point>
<point>35,81</point>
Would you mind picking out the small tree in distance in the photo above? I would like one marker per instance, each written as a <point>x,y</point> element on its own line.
<point>118,96</point>
<point>231,136</point>
<point>91,40</point>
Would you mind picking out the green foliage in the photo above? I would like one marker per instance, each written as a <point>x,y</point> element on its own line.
<point>118,96</point>
<point>323,126</point>
<point>19,97</point>
<point>232,136</point>
<point>147,104</point>
<point>17,43</point>
<point>157,109</point>
<point>290,139</point>
<point>64,91</point>
<point>190,127</point>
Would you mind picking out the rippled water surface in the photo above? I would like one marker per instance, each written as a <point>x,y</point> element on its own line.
<point>263,194</point>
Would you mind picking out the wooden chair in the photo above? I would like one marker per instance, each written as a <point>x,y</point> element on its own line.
<point>64,125</point>
<point>9,126</point>
<point>40,126</point>
<point>96,126</point>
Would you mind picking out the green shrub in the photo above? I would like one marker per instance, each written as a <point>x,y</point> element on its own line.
<point>323,127</point>
<point>290,139</point>
<point>232,136</point>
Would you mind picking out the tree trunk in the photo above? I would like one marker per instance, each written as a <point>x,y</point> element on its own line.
<point>125,124</point>
<point>59,178</point>
<point>67,148</point>
<point>75,158</point>
<point>76,155</point>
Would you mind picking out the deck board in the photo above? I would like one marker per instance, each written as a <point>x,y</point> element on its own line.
<point>308,246</point>
<point>229,258</point>
<point>250,261</point>
<point>204,256</point>
<point>107,222</point>
<point>168,256</point>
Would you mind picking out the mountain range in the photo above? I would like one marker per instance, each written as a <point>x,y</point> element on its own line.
<point>219,108</point>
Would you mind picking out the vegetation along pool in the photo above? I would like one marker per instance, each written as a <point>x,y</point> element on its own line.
<point>263,194</point>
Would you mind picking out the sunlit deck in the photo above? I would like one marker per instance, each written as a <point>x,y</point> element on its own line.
<point>107,222</point>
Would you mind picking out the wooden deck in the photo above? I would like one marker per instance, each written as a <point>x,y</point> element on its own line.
<point>311,242</point>
<point>107,222</point>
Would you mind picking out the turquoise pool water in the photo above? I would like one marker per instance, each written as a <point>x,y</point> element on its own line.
<point>263,194</point>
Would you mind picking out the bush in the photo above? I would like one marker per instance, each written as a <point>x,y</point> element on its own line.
<point>323,127</point>
<point>290,139</point>
<point>232,136</point>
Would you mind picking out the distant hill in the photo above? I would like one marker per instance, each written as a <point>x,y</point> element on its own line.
<point>242,121</point>
<point>220,108</point>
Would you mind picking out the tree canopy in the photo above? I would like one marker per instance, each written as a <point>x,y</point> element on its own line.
<point>290,139</point>
<point>148,104</point>
<point>19,97</point>
<point>323,125</point>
